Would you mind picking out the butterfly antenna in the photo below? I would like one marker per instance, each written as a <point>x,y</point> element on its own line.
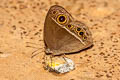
<point>28,45</point>
<point>64,56</point>
<point>33,43</point>
<point>35,54</point>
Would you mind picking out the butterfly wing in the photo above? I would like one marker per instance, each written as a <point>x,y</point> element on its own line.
<point>60,32</point>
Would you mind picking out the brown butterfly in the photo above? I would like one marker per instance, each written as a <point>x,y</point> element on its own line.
<point>64,34</point>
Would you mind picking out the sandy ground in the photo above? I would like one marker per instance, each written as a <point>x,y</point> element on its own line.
<point>22,21</point>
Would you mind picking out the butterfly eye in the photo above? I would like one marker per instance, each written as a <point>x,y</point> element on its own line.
<point>81,33</point>
<point>61,19</point>
<point>70,26</point>
<point>54,12</point>
<point>78,29</point>
<point>84,38</point>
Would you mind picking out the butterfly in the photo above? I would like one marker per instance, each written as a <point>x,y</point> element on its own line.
<point>63,34</point>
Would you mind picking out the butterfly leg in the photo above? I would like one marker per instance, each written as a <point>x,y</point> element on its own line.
<point>64,57</point>
<point>51,56</point>
<point>50,62</point>
<point>47,62</point>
